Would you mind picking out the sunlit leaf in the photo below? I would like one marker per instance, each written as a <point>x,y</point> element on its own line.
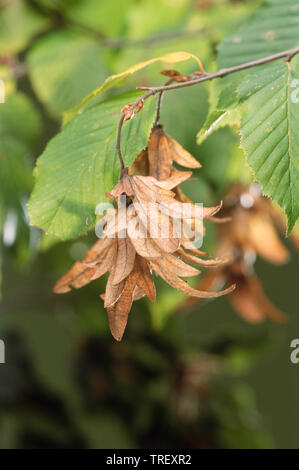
<point>81,163</point>
<point>269,131</point>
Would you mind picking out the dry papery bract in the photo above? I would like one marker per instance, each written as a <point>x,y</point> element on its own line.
<point>251,232</point>
<point>130,258</point>
<point>157,159</point>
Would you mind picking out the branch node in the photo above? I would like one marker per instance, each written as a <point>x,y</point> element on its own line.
<point>202,77</point>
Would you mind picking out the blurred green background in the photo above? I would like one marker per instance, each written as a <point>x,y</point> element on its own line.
<point>202,378</point>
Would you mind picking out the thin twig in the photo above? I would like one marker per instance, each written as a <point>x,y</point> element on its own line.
<point>122,163</point>
<point>116,43</point>
<point>151,91</point>
<point>223,72</point>
<point>157,120</point>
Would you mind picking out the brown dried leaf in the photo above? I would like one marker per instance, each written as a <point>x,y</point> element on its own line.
<point>124,261</point>
<point>162,151</point>
<point>142,188</point>
<point>209,211</point>
<point>294,236</point>
<point>85,277</point>
<point>159,157</point>
<point>218,220</point>
<point>265,241</point>
<point>182,156</point>
<point>175,178</point>
<point>177,266</point>
<point>211,280</point>
<point>144,280</point>
<point>148,189</point>
<point>174,281</point>
<point>116,226</point>
<point>97,252</point>
<point>252,304</point>
<point>269,309</point>
<point>197,252</point>
<point>118,313</point>
<point>159,227</point>
<point>113,291</point>
<point>140,165</point>
<point>104,263</point>
<point>81,273</point>
<point>246,305</point>
<point>138,283</point>
<point>170,73</point>
<point>138,293</point>
<point>144,246</point>
<point>202,262</point>
<point>78,274</point>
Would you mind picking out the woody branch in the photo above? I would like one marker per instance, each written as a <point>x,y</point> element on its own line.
<point>151,91</point>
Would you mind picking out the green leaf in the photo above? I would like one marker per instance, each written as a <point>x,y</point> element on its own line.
<point>273,28</point>
<point>223,160</point>
<point>18,24</point>
<point>64,67</point>
<point>217,119</point>
<point>149,18</point>
<point>60,5</point>
<point>81,163</point>
<point>114,80</point>
<point>8,82</point>
<point>224,110</point>
<point>106,16</point>
<point>269,131</point>
<point>19,119</point>
<point>19,129</point>
<point>259,100</point>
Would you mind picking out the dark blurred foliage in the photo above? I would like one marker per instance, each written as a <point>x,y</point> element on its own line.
<point>202,378</point>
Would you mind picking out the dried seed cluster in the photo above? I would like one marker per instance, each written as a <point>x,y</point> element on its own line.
<point>130,258</point>
<point>252,231</point>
